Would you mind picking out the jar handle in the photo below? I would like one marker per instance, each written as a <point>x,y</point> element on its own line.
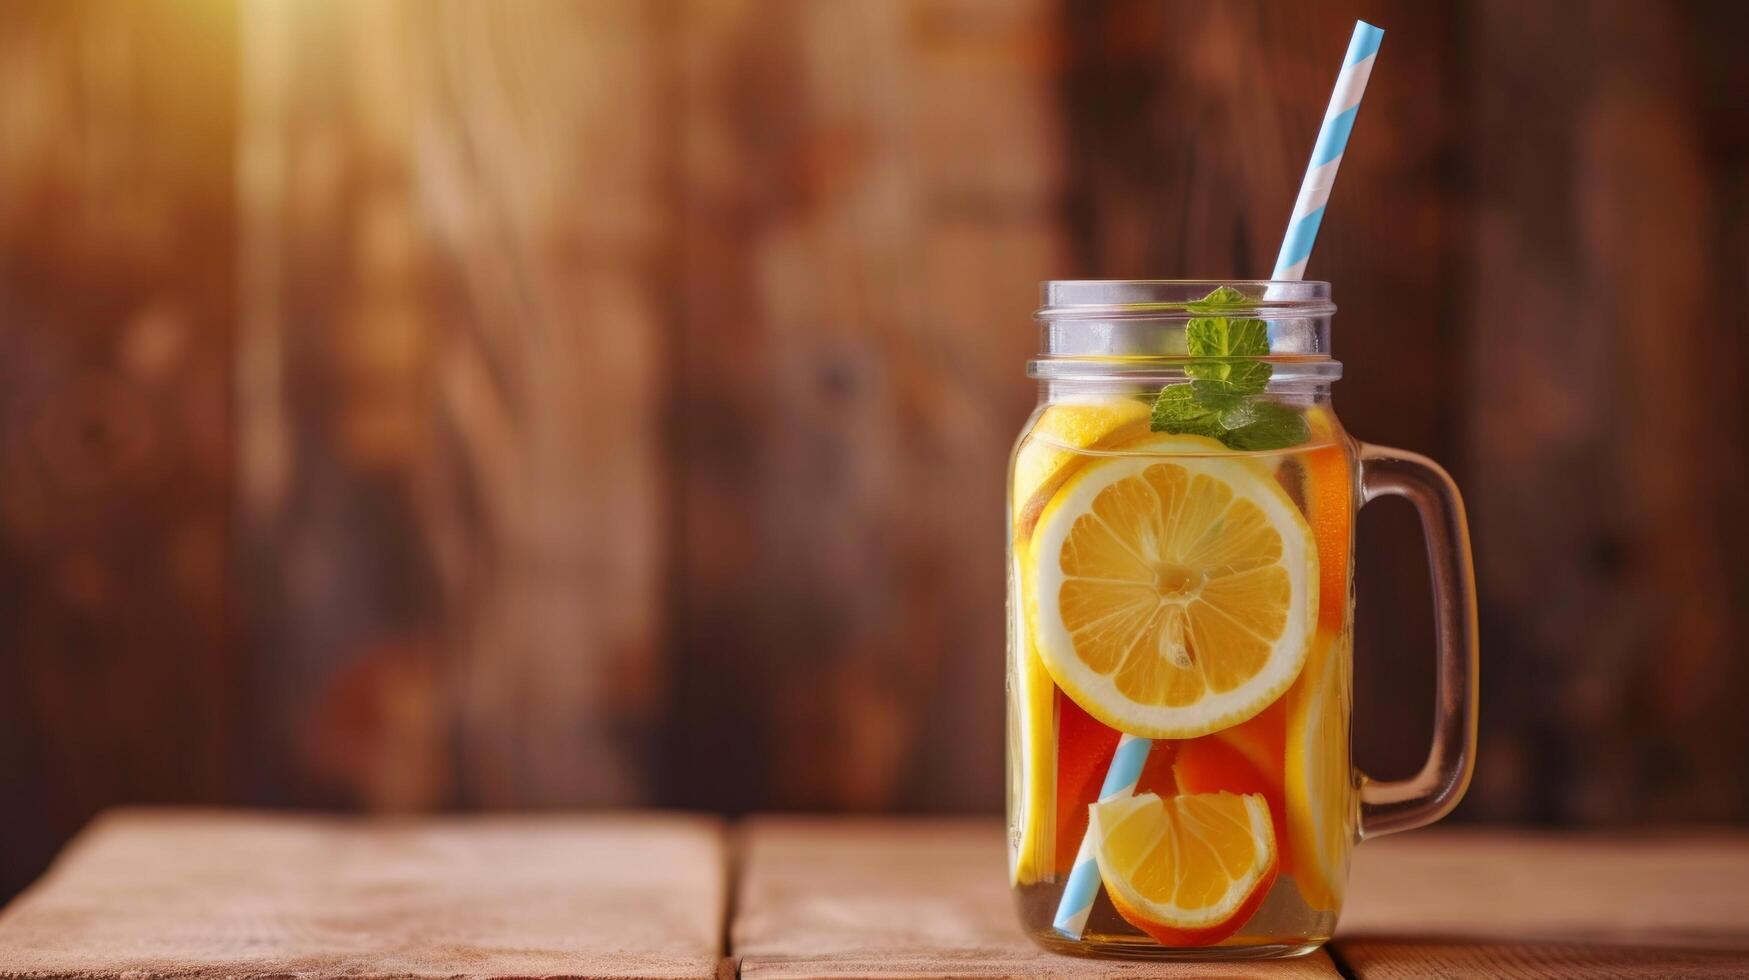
<point>1387,806</point>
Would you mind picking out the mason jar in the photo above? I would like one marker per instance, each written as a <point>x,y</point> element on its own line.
<point>1180,555</point>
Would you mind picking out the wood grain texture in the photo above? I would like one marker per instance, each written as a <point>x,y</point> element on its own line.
<point>1408,959</point>
<point>451,441</point>
<point>1606,420</point>
<point>866,191</point>
<point>410,405</point>
<point>907,898</point>
<point>119,677</point>
<point>212,894</point>
<point>1480,904</point>
<point>1682,888</point>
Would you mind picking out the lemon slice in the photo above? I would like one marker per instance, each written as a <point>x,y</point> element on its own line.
<point>1319,786</point>
<point>1187,870</point>
<point>1042,464</point>
<point>1047,455</point>
<point>1034,725</point>
<point>1173,594</point>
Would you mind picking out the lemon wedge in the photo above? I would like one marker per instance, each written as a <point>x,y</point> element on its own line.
<point>1187,870</point>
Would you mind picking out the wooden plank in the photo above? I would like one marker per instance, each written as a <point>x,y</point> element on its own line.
<point>119,673</point>
<point>867,193</point>
<point>1189,124</point>
<point>907,898</point>
<point>1688,887</point>
<point>1452,960</point>
<point>224,894</point>
<point>1607,419</point>
<point>1490,904</point>
<point>455,270</point>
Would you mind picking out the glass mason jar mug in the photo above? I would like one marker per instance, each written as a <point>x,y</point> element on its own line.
<point>1181,517</point>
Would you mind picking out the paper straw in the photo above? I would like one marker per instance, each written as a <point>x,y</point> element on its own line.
<point>1083,884</point>
<point>1290,265</point>
<point>1302,228</point>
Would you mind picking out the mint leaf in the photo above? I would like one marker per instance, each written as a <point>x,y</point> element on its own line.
<point>1177,410</point>
<point>1222,296</point>
<point>1227,337</point>
<point>1238,420</point>
<point>1221,399</point>
<point>1221,336</point>
<point>1243,376</point>
<point>1270,426</point>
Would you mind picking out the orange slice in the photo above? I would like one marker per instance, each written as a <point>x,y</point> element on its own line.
<point>1319,779</point>
<point>1330,507</point>
<point>1247,758</point>
<point>1187,870</point>
<point>1084,749</point>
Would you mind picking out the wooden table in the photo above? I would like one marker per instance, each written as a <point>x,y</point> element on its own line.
<point>195,894</point>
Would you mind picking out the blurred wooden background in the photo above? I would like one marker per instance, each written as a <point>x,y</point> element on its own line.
<point>414,405</point>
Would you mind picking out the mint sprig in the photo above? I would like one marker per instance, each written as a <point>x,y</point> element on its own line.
<point>1222,400</point>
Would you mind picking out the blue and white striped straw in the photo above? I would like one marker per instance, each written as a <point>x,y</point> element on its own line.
<point>1302,228</point>
<point>1083,885</point>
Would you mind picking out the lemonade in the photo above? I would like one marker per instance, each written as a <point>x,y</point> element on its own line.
<point>1170,587</point>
